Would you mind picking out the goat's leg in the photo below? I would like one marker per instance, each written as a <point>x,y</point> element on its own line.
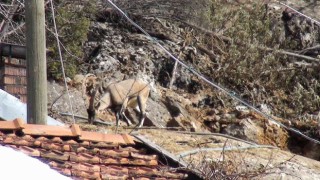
<point>91,115</point>
<point>117,121</point>
<point>142,107</point>
<point>91,110</point>
<point>123,108</point>
<point>127,119</point>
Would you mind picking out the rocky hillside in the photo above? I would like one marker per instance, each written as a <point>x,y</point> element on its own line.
<point>259,51</point>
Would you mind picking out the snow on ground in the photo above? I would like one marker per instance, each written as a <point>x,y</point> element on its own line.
<point>16,166</point>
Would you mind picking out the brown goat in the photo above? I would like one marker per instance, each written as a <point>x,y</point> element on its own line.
<point>118,96</point>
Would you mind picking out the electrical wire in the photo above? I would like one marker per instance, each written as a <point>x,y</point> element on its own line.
<point>221,88</point>
<point>61,60</point>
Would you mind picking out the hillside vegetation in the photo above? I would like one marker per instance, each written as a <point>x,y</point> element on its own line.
<point>257,51</point>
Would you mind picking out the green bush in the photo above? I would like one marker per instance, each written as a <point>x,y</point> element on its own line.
<point>73,21</point>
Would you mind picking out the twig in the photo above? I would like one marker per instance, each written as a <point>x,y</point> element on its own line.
<point>224,149</point>
<point>277,70</point>
<point>224,38</point>
<point>55,100</point>
<point>5,26</point>
<point>207,51</point>
<point>77,116</point>
<point>217,134</point>
<point>86,118</point>
<point>223,155</point>
<point>314,48</point>
<point>154,127</point>
<point>290,54</point>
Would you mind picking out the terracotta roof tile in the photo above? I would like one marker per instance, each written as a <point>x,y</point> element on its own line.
<point>55,155</point>
<point>42,138</point>
<point>21,142</point>
<point>59,164</point>
<point>30,151</point>
<point>114,177</point>
<point>28,138</point>
<point>59,147</point>
<point>15,124</point>
<point>86,174</point>
<point>145,157</point>
<point>73,142</point>
<point>85,155</point>
<point>128,139</point>
<point>113,153</point>
<point>110,161</point>
<point>81,150</point>
<point>57,140</point>
<point>75,129</point>
<point>37,143</point>
<point>64,171</point>
<point>131,149</point>
<point>85,167</point>
<point>145,162</point>
<point>44,130</point>
<point>108,138</point>
<point>114,170</point>
<point>155,173</point>
<point>104,144</point>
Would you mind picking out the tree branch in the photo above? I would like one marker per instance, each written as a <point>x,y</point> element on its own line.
<point>291,54</point>
<point>231,148</point>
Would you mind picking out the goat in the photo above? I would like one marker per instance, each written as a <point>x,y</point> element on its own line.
<point>118,96</point>
<point>89,87</point>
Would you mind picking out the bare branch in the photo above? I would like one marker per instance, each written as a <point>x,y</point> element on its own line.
<point>310,49</point>
<point>224,149</point>
<point>290,54</point>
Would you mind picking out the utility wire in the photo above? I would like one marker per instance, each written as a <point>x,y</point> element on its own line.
<point>221,88</point>
<point>60,56</point>
<point>300,13</point>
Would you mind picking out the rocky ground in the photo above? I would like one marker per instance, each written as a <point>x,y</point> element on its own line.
<point>118,51</point>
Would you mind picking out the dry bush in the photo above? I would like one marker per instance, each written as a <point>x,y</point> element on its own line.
<point>247,68</point>
<point>237,164</point>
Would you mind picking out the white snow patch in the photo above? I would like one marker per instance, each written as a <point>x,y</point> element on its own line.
<point>16,165</point>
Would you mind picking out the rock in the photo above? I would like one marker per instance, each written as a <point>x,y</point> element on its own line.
<point>180,114</point>
<point>61,104</point>
<point>229,116</point>
<point>213,125</point>
<point>157,113</point>
<point>78,78</point>
<point>264,108</point>
<point>242,109</point>
<point>253,131</point>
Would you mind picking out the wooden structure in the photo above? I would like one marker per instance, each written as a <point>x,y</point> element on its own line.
<point>36,62</point>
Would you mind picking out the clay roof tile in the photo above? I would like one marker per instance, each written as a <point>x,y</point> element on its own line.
<point>82,154</point>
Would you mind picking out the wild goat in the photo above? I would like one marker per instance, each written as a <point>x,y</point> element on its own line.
<point>117,96</point>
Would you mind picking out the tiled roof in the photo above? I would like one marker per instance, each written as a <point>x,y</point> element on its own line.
<point>85,155</point>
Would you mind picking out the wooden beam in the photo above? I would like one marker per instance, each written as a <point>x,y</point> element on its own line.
<point>36,62</point>
<point>12,50</point>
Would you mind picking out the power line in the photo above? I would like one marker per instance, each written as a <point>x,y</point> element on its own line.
<point>61,61</point>
<point>300,13</point>
<point>221,88</point>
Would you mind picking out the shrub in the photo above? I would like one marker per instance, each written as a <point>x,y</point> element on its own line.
<point>73,21</point>
<point>256,74</point>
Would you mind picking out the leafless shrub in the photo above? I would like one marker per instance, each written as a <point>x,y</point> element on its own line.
<point>235,165</point>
